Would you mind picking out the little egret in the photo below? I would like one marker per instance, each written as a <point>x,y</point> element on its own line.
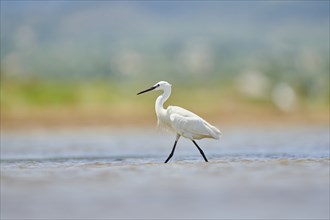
<point>181,121</point>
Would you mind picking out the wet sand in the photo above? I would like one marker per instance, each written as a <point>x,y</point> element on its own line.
<point>252,174</point>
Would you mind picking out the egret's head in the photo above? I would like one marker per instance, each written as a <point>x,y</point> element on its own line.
<point>161,85</point>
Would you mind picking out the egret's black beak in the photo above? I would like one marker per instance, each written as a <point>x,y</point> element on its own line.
<point>147,90</point>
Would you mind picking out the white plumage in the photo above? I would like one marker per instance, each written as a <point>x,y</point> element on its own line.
<point>181,121</point>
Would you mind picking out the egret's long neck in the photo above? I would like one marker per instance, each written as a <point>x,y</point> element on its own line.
<point>161,100</point>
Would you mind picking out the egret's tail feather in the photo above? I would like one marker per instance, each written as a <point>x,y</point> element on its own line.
<point>214,132</point>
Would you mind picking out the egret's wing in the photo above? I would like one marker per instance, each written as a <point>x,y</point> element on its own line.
<point>181,111</point>
<point>193,127</point>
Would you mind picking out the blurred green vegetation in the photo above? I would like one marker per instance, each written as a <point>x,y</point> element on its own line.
<point>95,94</point>
<point>113,103</point>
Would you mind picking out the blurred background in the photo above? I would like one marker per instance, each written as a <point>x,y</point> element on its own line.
<point>231,62</point>
<point>77,143</point>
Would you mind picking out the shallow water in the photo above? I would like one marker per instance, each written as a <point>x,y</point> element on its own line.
<point>265,173</point>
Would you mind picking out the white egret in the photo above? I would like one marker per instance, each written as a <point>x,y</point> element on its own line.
<point>181,121</point>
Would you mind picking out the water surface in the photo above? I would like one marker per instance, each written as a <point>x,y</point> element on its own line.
<point>259,173</point>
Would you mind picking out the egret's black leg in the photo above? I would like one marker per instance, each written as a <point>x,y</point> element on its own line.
<point>200,151</point>
<point>172,152</point>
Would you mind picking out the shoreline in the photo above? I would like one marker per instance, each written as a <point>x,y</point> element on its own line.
<point>102,119</point>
